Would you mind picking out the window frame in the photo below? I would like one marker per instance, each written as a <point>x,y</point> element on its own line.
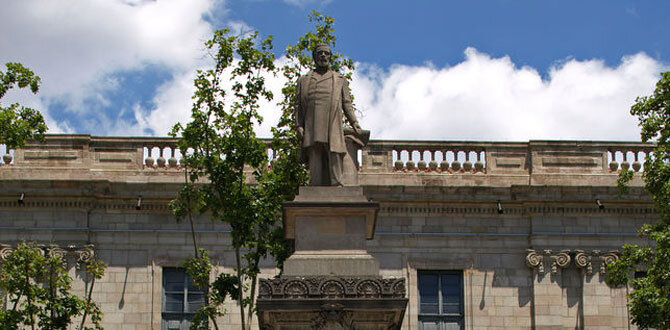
<point>186,314</point>
<point>441,317</point>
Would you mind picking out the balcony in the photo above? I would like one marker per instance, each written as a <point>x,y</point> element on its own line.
<point>382,162</point>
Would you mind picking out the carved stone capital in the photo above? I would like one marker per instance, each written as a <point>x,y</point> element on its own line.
<point>535,260</point>
<point>560,260</point>
<point>83,254</point>
<point>606,258</point>
<point>583,260</point>
<point>5,250</point>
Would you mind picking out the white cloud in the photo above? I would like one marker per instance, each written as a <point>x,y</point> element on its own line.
<point>173,104</point>
<point>76,45</point>
<point>306,3</point>
<point>484,98</point>
<point>481,98</point>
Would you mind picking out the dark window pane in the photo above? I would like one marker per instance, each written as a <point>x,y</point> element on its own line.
<point>451,288</point>
<point>195,301</point>
<point>451,309</point>
<point>440,294</point>
<point>173,275</point>
<point>450,279</point>
<point>174,286</point>
<point>428,289</point>
<point>429,309</point>
<point>174,302</point>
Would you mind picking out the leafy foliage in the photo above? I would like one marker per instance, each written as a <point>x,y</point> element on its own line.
<point>221,150</point>
<point>18,123</point>
<point>200,269</point>
<point>38,291</point>
<point>650,299</point>
<point>222,155</point>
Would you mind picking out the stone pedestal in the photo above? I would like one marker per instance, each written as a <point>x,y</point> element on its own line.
<point>331,282</point>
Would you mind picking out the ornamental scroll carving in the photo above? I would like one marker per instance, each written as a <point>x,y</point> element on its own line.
<point>331,287</point>
<point>82,254</point>
<point>561,259</point>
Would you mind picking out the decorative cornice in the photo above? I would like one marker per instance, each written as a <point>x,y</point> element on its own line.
<point>516,210</point>
<point>331,287</point>
<point>114,204</point>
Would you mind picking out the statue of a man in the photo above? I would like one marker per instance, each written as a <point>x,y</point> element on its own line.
<point>322,98</point>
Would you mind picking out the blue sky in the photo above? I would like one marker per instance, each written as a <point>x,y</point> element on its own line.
<point>450,70</point>
<point>535,33</point>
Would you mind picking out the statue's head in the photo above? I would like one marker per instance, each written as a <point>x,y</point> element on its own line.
<point>321,55</point>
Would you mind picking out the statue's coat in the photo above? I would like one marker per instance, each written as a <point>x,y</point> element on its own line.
<point>340,103</point>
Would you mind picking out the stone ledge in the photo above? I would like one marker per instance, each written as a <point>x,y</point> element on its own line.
<point>330,287</point>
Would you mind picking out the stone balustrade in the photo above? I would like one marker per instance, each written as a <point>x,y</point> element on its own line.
<point>394,158</point>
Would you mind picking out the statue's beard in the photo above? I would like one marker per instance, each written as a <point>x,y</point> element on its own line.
<point>322,64</point>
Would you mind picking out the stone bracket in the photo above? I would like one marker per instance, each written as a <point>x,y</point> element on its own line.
<point>82,253</point>
<point>561,259</point>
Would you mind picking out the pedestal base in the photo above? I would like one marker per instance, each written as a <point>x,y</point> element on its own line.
<point>330,226</point>
<point>331,282</point>
<point>332,263</point>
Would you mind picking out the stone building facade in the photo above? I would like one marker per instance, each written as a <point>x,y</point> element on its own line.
<point>488,235</point>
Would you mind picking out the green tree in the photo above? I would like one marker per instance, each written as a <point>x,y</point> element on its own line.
<point>38,287</point>
<point>222,156</point>
<point>18,123</point>
<point>649,301</point>
<point>227,173</point>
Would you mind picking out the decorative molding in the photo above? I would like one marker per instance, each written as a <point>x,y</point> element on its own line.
<point>583,260</point>
<point>333,316</point>
<point>514,209</point>
<point>606,258</point>
<point>331,287</point>
<point>561,259</point>
<point>83,254</point>
<point>534,259</point>
<point>115,204</point>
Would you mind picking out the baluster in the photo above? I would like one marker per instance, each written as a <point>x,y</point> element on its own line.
<point>161,160</point>
<point>410,160</point>
<point>467,166</point>
<point>149,162</point>
<point>422,163</point>
<point>625,165</point>
<point>479,166</point>
<point>172,162</point>
<point>398,165</point>
<point>456,165</point>
<point>636,164</point>
<point>444,165</point>
<point>614,166</point>
<point>433,163</point>
<point>7,157</point>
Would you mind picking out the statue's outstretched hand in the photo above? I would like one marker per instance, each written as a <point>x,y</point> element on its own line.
<point>301,132</point>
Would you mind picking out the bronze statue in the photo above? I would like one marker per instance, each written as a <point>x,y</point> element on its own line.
<point>322,98</point>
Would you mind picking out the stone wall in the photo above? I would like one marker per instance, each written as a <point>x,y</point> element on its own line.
<point>432,217</point>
